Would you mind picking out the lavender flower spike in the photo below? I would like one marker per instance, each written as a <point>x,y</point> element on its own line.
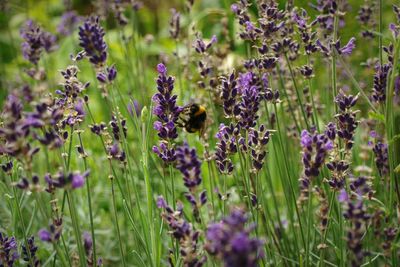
<point>8,250</point>
<point>348,48</point>
<point>230,241</point>
<point>91,39</point>
<point>189,165</point>
<point>167,111</point>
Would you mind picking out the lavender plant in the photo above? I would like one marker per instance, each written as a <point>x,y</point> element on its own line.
<point>296,161</point>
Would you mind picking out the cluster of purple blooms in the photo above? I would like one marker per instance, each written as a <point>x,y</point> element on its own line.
<point>69,23</point>
<point>35,41</point>
<point>184,233</point>
<point>227,145</point>
<point>8,250</point>
<point>189,165</point>
<point>315,150</point>
<point>356,213</point>
<point>381,158</point>
<point>29,252</point>
<point>71,180</point>
<point>380,83</point>
<point>231,242</point>
<point>258,139</point>
<point>91,39</point>
<point>346,118</point>
<point>167,112</point>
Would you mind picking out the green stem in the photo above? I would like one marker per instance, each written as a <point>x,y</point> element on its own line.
<point>89,203</point>
<point>75,225</point>
<point>297,92</point>
<point>116,222</point>
<point>22,223</point>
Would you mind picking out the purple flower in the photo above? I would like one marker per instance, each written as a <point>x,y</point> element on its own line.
<point>356,214</point>
<point>258,139</point>
<point>343,196</point>
<point>201,47</point>
<point>87,242</point>
<point>189,165</point>
<point>315,149</point>
<point>227,145</point>
<point>161,203</point>
<point>78,180</point>
<point>8,250</point>
<point>394,29</point>
<point>174,24</point>
<point>53,234</point>
<point>380,83</point>
<point>348,48</point>
<point>346,119</point>
<point>249,107</point>
<point>229,96</point>
<point>69,22</point>
<point>167,111</point>
<point>44,235</point>
<point>381,158</point>
<point>32,248</point>
<point>35,40</point>
<point>183,232</point>
<point>230,241</point>
<point>108,76</point>
<point>91,39</point>
<point>71,180</point>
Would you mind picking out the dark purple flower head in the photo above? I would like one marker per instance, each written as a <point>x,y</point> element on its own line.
<point>258,139</point>
<point>380,83</point>
<point>355,213</point>
<point>174,24</point>
<point>32,248</point>
<point>35,40</point>
<point>183,232</point>
<point>108,76</point>
<point>249,107</point>
<point>230,241</point>
<point>201,47</point>
<point>315,150</point>
<point>91,39</point>
<point>69,22</point>
<point>346,119</point>
<point>87,242</point>
<point>227,145</point>
<point>164,153</point>
<point>229,96</point>
<point>348,48</point>
<point>72,180</point>
<point>189,165</point>
<point>394,29</point>
<point>167,112</point>
<point>8,250</point>
<point>381,158</point>
<point>53,233</point>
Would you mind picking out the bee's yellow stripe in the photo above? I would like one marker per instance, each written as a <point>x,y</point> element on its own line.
<point>200,111</point>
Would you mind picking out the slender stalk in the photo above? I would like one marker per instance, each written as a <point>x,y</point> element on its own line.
<point>72,208</point>
<point>390,130</point>
<point>380,25</point>
<point>333,61</point>
<point>89,203</point>
<point>297,92</point>
<point>22,223</point>
<point>149,193</point>
<point>75,225</point>
<point>116,222</point>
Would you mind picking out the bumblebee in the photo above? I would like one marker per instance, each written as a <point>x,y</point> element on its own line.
<point>193,118</point>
